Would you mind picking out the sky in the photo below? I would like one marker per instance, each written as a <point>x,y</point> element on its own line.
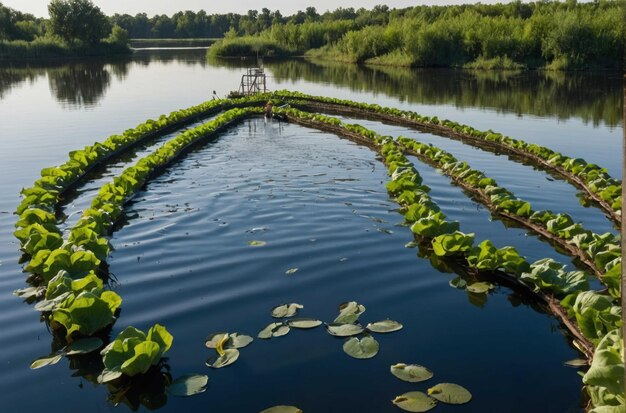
<point>169,7</point>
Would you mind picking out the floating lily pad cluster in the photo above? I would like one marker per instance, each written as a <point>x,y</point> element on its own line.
<point>346,325</point>
<point>417,401</point>
<point>478,287</point>
<point>227,347</point>
<point>281,328</point>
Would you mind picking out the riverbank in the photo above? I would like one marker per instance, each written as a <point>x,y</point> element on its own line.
<point>42,48</point>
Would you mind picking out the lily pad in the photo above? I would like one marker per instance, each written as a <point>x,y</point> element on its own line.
<point>257,243</point>
<point>365,348</point>
<point>286,310</point>
<point>227,358</point>
<point>282,409</point>
<point>414,401</point>
<point>304,323</point>
<point>450,393</point>
<point>188,385</point>
<point>344,330</point>
<point>384,326</point>
<point>291,271</point>
<point>411,244</point>
<point>109,375</point>
<point>349,312</point>
<point>459,283</point>
<point>48,360</point>
<point>412,373</point>
<point>480,287</point>
<point>84,346</point>
<point>273,330</point>
<point>235,340</point>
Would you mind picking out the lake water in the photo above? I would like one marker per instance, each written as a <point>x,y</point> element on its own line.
<point>319,202</point>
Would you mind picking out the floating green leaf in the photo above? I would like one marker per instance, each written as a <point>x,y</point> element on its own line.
<point>304,323</point>
<point>384,326</point>
<point>282,409</point>
<point>450,393</point>
<point>413,373</point>
<point>257,243</point>
<point>235,340</point>
<point>227,358</point>
<point>480,287</point>
<point>291,271</point>
<point>344,330</point>
<point>349,312</point>
<point>364,348</point>
<point>458,282</point>
<point>273,330</point>
<point>414,401</point>
<point>286,310</point>
<point>188,385</point>
<point>84,346</point>
<point>48,360</point>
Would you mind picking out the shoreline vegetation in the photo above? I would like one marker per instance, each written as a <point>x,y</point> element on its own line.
<point>76,28</point>
<point>514,36</point>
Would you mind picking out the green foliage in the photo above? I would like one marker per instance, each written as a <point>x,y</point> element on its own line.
<point>133,352</point>
<point>605,377</point>
<point>450,244</point>
<point>77,21</point>
<point>549,275</point>
<point>595,314</point>
<point>249,46</point>
<point>86,312</point>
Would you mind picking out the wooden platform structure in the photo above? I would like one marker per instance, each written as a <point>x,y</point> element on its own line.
<point>254,81</point>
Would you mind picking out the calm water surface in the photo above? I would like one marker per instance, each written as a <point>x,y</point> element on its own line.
<point>182,258</point>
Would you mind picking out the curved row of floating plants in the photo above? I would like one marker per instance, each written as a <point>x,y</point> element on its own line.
<point>76,303</point>
<point>591,178</point>
<point>65,272</point>
<point>594,319</point>
<point>600,253</point>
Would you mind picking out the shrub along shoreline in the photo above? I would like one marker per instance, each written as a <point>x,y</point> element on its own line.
<point>550,35</point>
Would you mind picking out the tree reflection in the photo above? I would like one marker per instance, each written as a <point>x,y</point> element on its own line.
<point>80,85</point>
<point>592,97</point>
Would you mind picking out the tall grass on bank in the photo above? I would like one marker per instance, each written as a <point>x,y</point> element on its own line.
<point>250,46</point>
<point>44,47</point>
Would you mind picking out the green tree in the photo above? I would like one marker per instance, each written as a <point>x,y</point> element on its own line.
<point>77,21</point>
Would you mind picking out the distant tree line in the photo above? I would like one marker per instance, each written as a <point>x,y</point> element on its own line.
<point>552,34</point>
<point>189,24</point>
<point>556,34</point>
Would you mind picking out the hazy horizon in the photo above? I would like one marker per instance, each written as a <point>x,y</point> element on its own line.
<point>151,7</point>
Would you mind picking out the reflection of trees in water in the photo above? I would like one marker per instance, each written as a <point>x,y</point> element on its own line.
<point>82,83</point>
<point>79,85</point>
<point>590,97</point>
<point>11,77</point>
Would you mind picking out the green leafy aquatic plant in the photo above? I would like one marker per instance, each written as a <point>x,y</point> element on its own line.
<point>450,393</point>
<point>188,385</point>
<point>454,243</point>
<point>286,310</point>
<point>133,352</point>
<point>414,401</point>
<point>364,348</point>
<point>413,373</point>
<point>233,340</point>
<point>349,312</point>
<point>547,274</point>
